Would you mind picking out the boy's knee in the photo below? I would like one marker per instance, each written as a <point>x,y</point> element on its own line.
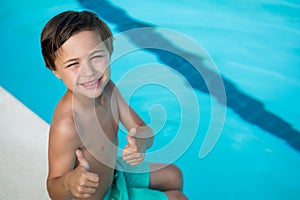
<point>175,177</point>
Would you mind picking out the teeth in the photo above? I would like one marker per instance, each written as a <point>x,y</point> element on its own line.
<point>91,83</point>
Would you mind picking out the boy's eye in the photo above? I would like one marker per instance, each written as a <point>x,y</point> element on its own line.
<point>72,64</point>
<point>97,58</point>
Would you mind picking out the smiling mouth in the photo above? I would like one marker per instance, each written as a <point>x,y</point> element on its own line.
<point>92,84</point>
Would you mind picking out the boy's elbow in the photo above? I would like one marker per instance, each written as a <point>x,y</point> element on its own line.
<point>50,189</point>
<point>150,137</point>
<point>149,131</point>
<point>55,190</point>
<point>48,186</point>
<point>150,143</point>
<point>145,132</point>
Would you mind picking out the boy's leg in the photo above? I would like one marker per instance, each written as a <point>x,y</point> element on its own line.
<point>167,178</point>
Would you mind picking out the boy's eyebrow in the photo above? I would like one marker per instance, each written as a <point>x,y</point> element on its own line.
<point>97,51</point>
<point>70,60</point>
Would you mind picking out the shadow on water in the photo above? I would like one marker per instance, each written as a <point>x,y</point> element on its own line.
<point>248,108</point>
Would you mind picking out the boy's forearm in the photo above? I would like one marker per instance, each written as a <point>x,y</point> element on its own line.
<point>57,188</point>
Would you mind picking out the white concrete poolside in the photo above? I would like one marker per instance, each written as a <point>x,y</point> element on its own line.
<point>23,138</point>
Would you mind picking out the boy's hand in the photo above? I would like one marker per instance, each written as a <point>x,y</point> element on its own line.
<point>134,152</point>
<point>80,182</point>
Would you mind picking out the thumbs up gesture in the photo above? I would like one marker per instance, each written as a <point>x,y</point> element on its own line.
<point>82,183</point>
<point>82,161</point>
<point>134,152</point>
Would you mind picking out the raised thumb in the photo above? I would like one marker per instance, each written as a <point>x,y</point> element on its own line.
<point>132,132</point>
<point>82,161</point>
<point>131,140</point>
<point>130,136</point>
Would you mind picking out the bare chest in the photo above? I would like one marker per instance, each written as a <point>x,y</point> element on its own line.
<point>97,130</point>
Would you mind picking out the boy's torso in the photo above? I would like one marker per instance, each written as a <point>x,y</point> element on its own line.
<point>97,134</point>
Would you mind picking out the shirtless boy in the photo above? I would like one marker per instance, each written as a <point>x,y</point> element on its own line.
<point>83,138</point>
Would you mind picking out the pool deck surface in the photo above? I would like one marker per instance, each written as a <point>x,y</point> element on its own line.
<point>23,137</point>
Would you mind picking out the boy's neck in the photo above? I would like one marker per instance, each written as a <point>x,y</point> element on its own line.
<point>86,103</point>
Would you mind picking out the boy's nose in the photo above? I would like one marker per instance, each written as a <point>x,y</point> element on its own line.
<point>87,69</point>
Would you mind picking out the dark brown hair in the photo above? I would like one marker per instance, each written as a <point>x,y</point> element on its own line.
<point>62,26</point>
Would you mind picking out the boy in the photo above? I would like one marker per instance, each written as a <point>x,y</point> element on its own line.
<point>83,139</point>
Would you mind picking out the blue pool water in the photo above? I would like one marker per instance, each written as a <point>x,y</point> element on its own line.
<point>255,47</point>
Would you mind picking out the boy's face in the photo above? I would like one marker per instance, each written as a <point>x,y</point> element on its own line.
<point>82,62</point>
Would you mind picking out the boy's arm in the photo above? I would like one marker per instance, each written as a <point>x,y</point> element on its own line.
<point>140,136</point>
<point>61,158</point>
<point>63,180</point>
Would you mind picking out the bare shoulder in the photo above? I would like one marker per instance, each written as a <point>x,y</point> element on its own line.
<point>111,88</point>
<point>113,92</point>
<point>62,127</point>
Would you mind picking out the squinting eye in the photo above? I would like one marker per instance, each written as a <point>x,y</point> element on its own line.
<point>72,64</point>
<point>97,57</point>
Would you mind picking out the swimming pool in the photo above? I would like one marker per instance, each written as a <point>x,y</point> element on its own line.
<point>255,46</point>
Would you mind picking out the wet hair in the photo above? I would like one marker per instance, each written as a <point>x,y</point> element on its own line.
<point>64,25</point>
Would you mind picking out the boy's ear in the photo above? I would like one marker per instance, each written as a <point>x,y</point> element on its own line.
<point>56,73</point>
